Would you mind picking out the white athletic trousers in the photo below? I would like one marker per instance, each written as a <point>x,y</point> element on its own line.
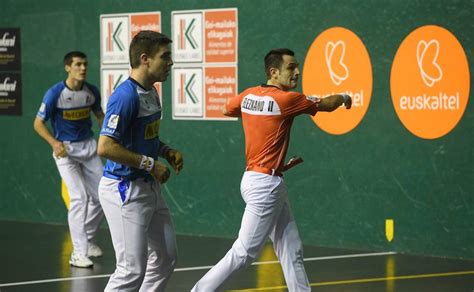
<point>267,214</point>
<point>142,234</point>
<point>81,171</point>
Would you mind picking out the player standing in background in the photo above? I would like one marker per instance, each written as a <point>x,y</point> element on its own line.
<point>130,193</point>
<point>267,113</point>
<point>68,104</point>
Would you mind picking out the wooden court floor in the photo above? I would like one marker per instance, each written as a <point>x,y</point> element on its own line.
<point>34,257</point>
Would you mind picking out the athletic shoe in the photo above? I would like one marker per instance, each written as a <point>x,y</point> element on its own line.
<point>80,261</point>
<point>94,250</point>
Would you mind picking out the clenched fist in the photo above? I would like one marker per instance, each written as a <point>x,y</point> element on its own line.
<point>175,159</point>
<point>160,172</point>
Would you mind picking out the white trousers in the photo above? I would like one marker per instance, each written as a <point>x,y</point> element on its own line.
<point>81,171</point>
<point>142,234</point>
<point>267,215</point>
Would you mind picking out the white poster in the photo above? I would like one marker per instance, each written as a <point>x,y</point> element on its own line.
<point>187,93</point>
<point>187,34</point>
<point>114,39</point>
<point>109,81</point>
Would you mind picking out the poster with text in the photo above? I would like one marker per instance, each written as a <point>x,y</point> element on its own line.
<point>205,56</point>
<point>10,93</point>
<point>10,49</point>
<point>116,33</point>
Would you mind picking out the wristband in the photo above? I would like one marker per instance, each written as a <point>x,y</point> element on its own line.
<point>147,163</point>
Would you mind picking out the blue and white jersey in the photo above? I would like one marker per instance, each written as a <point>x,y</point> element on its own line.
<point>69,111</point>
<point>133,118</point>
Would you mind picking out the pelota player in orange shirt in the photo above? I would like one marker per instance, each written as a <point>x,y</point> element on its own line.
<point>267,113</point>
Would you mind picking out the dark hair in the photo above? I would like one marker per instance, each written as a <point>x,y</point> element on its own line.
<point>274,59</point>
<point>69,56</point>
<point>148,42</point>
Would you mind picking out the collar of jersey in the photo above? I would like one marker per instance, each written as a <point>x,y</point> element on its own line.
<point>266,85</point>
<point>82,86</point>
<point>138,84</point>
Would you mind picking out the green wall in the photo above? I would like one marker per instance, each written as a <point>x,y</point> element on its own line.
<point>348,184</point>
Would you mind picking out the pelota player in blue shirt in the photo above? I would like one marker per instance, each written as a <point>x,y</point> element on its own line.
<point>138,217</point>
<point>68,105</point>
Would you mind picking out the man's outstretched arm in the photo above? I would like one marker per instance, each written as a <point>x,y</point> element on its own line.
<point>332,102</point>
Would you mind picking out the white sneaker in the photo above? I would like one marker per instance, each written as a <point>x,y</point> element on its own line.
<point>93,250</point>
<point>80,261</point>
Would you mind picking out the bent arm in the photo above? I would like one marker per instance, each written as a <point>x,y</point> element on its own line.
<point>229,114</point>
<point>43,132</point>
<point>332,102</point>
<point>110,149</point>
<point>232,107</point>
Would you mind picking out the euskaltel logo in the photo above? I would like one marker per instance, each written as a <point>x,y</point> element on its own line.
<point>335,53</point>
<point>430,70</point>
<point>429,82</point>
<point>338,62</point>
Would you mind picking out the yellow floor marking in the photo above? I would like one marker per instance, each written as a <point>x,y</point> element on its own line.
<point>369,280</point>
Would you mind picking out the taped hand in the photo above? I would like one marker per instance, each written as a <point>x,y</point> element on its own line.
<point>59,150</point>
<point>347,100</point>
<point>175,159</point>
<point>160,172</point>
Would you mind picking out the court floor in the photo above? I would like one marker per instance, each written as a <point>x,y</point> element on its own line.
<point>34,257</point>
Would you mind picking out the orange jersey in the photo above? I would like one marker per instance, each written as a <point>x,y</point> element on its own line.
<point>267,115</point>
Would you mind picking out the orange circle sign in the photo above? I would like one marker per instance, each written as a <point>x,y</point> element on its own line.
<point>429,82</point>
<point>338,62</point>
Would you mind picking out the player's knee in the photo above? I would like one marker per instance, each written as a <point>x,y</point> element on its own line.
<point>79,201</point>
<point>293,252</point>
<point>242,255</point>
<point>130,278</point>
<point>297,252</point>
<point>77,206</point>
<point>293,241</point>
